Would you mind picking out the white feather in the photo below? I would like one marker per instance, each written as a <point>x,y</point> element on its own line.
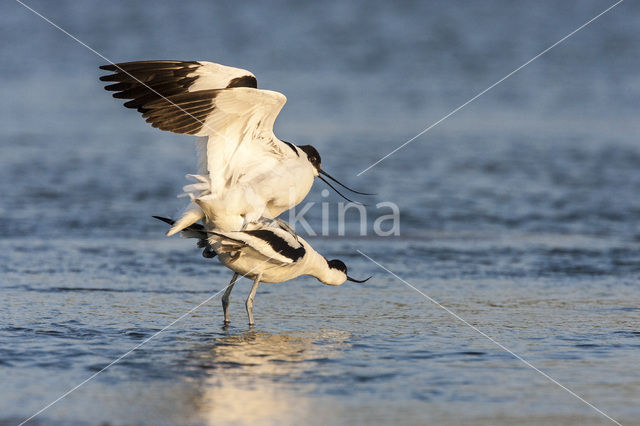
<point>215,76</point>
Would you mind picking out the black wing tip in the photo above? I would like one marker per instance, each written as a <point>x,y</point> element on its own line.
<point>164,219</point>
<point>127,67</point>
<point>115,65</point>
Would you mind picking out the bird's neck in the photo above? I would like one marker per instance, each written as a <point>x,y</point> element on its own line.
<point>320,269</point>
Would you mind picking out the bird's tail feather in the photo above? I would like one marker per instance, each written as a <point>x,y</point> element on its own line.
<point>192,214</point>
<point>194,230</point>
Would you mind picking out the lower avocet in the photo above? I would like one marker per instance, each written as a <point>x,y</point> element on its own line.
<point>268,254</point>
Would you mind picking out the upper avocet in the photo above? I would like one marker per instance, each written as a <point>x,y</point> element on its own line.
<point>244,171</point>
<point>269,254</point>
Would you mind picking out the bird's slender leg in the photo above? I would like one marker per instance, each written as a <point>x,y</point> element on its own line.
<point>252,294</point>
<point>225,298</point>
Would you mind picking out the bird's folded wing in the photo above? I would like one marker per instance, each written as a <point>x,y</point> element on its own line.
<point>274,244</point>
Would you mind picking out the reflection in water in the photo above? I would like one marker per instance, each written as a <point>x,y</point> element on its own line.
<point>260,377</point>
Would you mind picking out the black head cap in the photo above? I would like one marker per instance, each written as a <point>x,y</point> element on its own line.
<point>337,264</point>
<point>313,155</point>
<point>340,266</point>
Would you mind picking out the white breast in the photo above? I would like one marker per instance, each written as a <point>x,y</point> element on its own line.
<point>250,266</point>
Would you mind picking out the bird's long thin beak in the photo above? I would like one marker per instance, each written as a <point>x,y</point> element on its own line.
<point>322,172</point>
<point>358,281</point>
<point>339,193</point>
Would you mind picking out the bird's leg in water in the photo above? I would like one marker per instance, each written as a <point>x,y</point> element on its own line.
<point>225,298</point>
<point>252,294</point>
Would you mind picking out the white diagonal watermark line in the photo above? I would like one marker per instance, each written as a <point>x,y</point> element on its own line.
<point>93,376</point>
<point>495,342</point>
<point>204,125</point>
<point>121,69</point>
<point>119,358</point>
<point>490,87</point>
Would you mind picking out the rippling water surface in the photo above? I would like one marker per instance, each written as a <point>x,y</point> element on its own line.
<point>519,214</point>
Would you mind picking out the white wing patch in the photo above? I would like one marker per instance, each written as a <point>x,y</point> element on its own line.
<point>217,76</point>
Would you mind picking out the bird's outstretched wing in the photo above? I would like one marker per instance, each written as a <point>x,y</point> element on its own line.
<point>220,103</point>
<point>146,81</point>
<point>231,114</point>
<point>275,244</point>
<point>198,98</point>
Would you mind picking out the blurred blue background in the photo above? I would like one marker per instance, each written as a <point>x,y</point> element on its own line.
<point>523,206</point>
<point>552,149</point>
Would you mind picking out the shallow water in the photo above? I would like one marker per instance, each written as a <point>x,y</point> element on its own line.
<point>319,354</point>
<point>519,213</point>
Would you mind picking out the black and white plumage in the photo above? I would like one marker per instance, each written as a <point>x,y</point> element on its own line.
<point>245,172</point>
<point>269,254</point>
